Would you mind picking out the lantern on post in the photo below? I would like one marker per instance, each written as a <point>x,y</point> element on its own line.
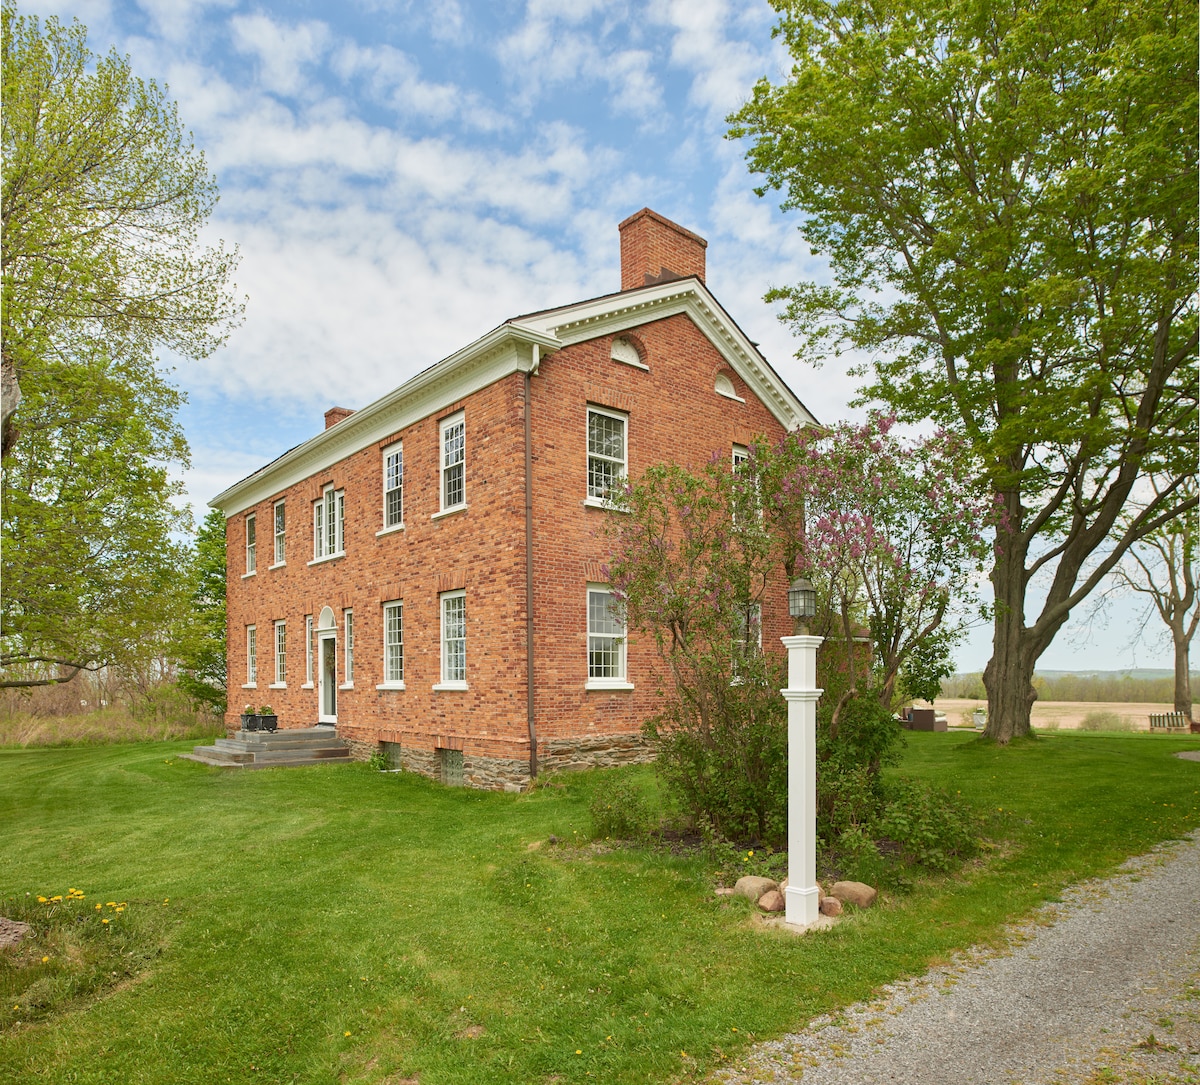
<point>801,899</point>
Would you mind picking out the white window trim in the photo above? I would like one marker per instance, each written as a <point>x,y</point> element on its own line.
<point>637,364</point>
<point>308,652</point>
<point>279,537</point>
<point>348,648</point>
<point>321,535</point>
<point>731,394</point>
<point>279,683</point>
<point>391,450</point>
<point>251,658</point>
<point>452,511</point>
<point>392,683</point>
<point>620,682</point>
<point>251,547</point>
<point>590,500</point>
<point>451,683</point>
<point>443,425</point>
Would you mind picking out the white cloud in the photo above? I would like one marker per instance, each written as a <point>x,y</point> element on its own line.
<point>175,20</point>
<point>550,49</point>
<point>283,52</point>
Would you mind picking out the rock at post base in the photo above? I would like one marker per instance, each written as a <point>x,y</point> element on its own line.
<point>831,906</point>
<point>772,901</point>
<point>856,893</point>
<point>753,887</point>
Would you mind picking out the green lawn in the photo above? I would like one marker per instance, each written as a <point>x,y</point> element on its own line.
<point>340,925</point>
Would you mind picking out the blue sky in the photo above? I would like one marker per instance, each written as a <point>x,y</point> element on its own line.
<point>402,176</point>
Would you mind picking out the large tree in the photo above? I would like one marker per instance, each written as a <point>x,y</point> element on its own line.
<point>103,201</point>
<point>200,646</point>
<point>1007,194</point>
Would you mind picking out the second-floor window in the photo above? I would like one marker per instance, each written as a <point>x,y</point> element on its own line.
<point>251,543</point>
<point>606,452</point>
<point>393,486</point>
<point>454,455</point>
<point>280,525</point>
<point>329,524</point>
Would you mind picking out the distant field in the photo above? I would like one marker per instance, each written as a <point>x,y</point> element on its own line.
<point>1061,715</point>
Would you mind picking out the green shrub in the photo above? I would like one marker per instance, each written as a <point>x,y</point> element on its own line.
<point>933,829</point>
<point>1104,720</point>
<point>620,812</point>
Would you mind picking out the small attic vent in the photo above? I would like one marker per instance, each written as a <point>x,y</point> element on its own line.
<point>723,386</point>
<point>625,352</point>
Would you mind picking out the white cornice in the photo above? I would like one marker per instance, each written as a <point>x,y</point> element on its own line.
<point>619,312</point>
<point>504,350</point>
<point>510,348</point>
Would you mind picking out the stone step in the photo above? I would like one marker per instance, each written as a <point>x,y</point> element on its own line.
<point>210,755</point>
<point>325,753</point>
<point>255,745</point>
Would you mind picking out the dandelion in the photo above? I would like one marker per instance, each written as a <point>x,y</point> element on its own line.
<point>347,1032</point>
<point>57,898</point>
<point>578,1051</point>
<point>104,921</point>
<point>42,900</point>
<point>45,960</point>
<point>99,906</point>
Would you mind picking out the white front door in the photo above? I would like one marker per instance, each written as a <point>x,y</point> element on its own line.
<point>327,678</point>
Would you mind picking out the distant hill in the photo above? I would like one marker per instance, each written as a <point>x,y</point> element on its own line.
<point>1147,684</point>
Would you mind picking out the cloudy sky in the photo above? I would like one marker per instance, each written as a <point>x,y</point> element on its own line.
<point>402,175</point>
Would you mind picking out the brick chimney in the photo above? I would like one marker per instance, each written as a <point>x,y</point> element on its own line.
<point>335,414</point>
<point>656,250</point>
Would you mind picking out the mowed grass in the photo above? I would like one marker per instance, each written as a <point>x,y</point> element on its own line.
<point>336,924</point>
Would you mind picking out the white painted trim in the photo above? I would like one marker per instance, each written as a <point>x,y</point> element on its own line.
<point>346,685</point>
<point>306,685</point>
<point>249,685</point>
<point>505,350</point>
<point>502,351</point>
<point>451,511</point>
<point>328,557</point>
<point>636,365</point>
<point>607,683</point>
<point>391,685</point>
<point>736,398</point>
<point>390,530</point>
<point>601,503</point>
<point>246,576</point>
<point>281,565</point>
<point>277,685</point>
<point>442,687</point>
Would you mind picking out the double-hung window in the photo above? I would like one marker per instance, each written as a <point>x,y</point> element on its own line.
<point>308,649</point>
<point>454,640</point>
<point>605,640</point>
<point>251,656</point>
<point>393,486</point>
<point>280,653</point>
<point>606,456</point>
<point>349,616</point>
<point>454,457</point>
<point>393,644</point>
<point>329,514</point>
<point>280,525</point>
<point>251,544</point>
<point>747,641</point>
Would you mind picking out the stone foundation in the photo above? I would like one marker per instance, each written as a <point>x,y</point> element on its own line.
<point>512,774</point>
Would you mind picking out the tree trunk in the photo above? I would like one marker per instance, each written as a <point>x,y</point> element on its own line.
<point>1183,678</point>
<point>10,398</point>
<point>1008,676</point>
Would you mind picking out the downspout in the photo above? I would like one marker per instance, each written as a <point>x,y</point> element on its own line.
<point>533,763</point>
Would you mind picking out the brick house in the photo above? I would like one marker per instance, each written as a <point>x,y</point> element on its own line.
<point>380,573</point>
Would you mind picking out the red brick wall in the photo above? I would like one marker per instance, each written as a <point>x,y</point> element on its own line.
<point>673,413</point>
<point>651,244</point>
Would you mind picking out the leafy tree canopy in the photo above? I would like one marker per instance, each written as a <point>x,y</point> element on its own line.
<point>201,642</point>
<point>103,201</point>
<point>1007,193</point>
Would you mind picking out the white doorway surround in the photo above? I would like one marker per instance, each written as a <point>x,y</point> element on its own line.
<point>327,686</point>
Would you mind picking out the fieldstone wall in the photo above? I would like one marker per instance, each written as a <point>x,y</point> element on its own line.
<point>512,774</point>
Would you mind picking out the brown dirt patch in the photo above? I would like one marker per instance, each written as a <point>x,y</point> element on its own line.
<point>12,932</point>
<point>1061,715</point>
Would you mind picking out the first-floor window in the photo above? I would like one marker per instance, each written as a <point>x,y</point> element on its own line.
<point>454,636</point>
<point>606,635</point>
<point>280,653</point>
<point>308,648</point>
<point>393,642</point>
<point>251,655</point>
<point>349,646</point>
<point>747,640</point>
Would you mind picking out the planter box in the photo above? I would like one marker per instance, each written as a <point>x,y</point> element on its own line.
<point>249,722</point>
<point>268,723</point>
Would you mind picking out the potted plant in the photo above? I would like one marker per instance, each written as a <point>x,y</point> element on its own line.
<point>267,720</point>
<point>249,719</point>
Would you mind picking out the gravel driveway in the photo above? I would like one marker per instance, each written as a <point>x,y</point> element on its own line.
<point>1104,987</point>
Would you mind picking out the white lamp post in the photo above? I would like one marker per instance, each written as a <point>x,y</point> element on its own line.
<point>801,898</point>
